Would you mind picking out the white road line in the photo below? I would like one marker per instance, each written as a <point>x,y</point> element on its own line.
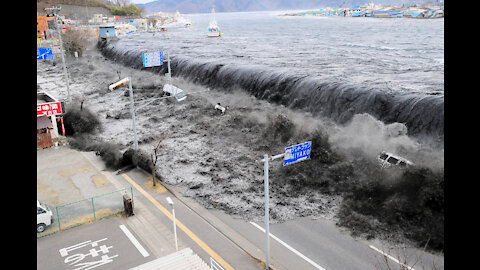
<point>289,247</point>
<point>134,241</point>
<point>391,257</point>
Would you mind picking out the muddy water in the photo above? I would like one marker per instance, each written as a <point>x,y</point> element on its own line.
<point>336,67</point>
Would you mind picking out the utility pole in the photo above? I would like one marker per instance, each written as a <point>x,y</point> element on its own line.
<point>53,9</point>
<point>132,111</point>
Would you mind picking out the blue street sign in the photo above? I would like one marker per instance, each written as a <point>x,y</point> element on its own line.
<point>152,59</point>
<point>297,153</point>
<point>44,53</point>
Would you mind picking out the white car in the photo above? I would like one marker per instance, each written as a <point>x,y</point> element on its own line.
<point>44,217</point>
<point>219,107</point>
<point>388,159</point>
<point>171,90</point>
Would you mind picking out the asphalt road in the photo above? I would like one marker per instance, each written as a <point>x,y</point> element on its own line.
<point>102,244</point>
<point>305,243</point>
<point>236,244</point>
<point>152,224</point>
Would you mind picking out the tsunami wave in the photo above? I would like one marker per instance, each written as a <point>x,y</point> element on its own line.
<point>422,113</point>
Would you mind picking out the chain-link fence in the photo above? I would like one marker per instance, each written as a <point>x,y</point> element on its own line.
<point>90,209</point>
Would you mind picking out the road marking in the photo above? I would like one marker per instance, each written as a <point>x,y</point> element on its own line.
<point>391,257</point>
<point>134,241</point>
<point>180,225</point>
<point>289,247</point>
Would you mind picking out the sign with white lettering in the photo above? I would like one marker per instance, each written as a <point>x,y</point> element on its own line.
<point>297,153</point>
<point>52,108</point>
<point>44,53</point>
<point>152,59</point>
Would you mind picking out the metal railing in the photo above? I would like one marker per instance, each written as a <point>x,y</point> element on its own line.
<point>214,265</point>
<point>87,210</point>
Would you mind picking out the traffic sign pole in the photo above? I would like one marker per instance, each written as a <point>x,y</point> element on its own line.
<point>267,214</point>
<point>292,154</point>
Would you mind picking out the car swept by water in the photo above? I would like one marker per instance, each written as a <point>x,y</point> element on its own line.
<point>388,160</point>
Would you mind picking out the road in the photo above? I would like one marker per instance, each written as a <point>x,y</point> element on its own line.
<point>151,226</point>
<point>305,243</point>
<point>234,243</point>
<point>88,244</point>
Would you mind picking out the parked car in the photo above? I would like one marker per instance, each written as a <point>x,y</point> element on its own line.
<point>44,217</point>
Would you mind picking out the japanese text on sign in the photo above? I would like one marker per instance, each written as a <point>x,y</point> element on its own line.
<point>297,153</point>
<point>75,259</point>
<point>48,109</point>
<point>151,59</point>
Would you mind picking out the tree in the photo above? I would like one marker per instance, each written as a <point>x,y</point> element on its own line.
<point>153,160</point>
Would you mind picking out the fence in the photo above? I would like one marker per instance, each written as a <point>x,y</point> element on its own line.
<point>90,209</point>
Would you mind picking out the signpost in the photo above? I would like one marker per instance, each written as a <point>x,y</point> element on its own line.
<point>44,53</point>
<point>297,153</point>
<point>292,154</point>
<point>152,59</point>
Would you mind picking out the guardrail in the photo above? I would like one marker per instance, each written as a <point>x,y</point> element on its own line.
<point>214,265</point>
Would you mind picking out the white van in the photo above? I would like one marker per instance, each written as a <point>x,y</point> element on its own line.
<point>388,159</point>
<point>44,217</point>
<point>171,90</point>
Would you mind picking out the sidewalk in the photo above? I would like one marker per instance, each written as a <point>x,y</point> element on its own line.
<point>64,175</point>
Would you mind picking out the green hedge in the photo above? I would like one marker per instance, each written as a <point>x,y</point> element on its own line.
<point>124,11</point>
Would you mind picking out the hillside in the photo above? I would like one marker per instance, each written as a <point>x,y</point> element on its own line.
<point>204,6</point>
<point>81,9</point>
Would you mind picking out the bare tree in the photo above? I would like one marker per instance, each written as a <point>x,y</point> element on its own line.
<point>122,3</point>
<point>154,158</point>
<point>402,261</point>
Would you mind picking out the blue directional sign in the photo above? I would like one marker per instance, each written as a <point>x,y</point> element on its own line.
<point>297,153</point>
<point>44,53</point>
<point>152,59</point>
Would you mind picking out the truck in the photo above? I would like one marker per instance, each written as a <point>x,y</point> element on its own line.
<point>44,217</point>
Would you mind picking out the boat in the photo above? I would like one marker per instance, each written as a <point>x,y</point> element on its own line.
<point>213,29</point>
<point>188,23</point>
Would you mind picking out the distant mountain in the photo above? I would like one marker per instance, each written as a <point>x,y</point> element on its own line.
<point>205,6</point>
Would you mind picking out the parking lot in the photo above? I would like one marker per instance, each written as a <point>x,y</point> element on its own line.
<point>105,243</point>
<point>66,176</point>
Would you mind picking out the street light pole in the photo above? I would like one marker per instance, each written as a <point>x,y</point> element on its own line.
<point>169,200</point>
<point>132,111</point>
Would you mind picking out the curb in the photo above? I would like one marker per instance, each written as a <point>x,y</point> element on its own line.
<point>245,245</point>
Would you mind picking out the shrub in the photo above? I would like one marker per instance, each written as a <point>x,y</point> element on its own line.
<point>109,152</point>
<point>125,10</point>
<point>79,121</point>
<point>77,40</point>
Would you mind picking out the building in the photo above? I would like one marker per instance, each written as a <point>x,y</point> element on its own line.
<point>107,33</point>
<point>43,24</point>
<point>140,24</point>
<point>49,116</point>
